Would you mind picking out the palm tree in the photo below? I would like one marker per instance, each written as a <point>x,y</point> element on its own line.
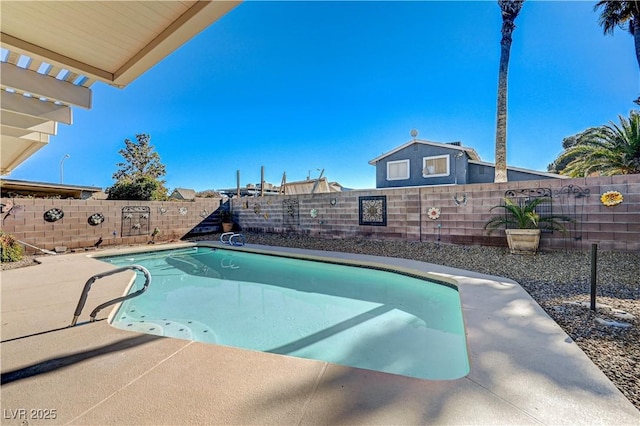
<point>510,10</point>
<point>606,150</point>
<point>623,14</point>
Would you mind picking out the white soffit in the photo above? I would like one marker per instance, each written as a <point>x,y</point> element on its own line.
<point>53,51</point>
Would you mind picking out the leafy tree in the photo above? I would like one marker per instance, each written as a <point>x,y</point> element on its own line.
<point>138,178</point>
<point>510,10</point>
<point>141,160</point>
<point>144,188</point>
<point>208,193</point>
<point>570,141</point>
<point>606,150</point>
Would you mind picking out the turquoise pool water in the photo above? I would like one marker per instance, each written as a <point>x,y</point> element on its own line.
<point>345,315</point>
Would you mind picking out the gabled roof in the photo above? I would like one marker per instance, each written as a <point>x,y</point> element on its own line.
<point>183,193</point>
<point>53,51</point>
<point>473,155</point>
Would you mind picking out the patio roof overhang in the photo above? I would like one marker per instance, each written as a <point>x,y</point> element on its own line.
<point>52,52</point>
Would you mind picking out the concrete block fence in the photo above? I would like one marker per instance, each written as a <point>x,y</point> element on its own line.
<point>124,222</point>
<point>464,209</point>
<point>402,214</point>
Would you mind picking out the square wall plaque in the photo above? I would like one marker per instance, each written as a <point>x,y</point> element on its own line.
<point>373,210</point>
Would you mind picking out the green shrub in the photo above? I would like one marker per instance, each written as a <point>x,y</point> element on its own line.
<point>10,249</point>
<point>143,188</point>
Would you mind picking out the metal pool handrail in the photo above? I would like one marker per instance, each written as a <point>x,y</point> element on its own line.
<point>87,287</point>
<point>233,239</point>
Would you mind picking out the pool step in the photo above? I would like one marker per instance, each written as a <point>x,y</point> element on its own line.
<point>180,329</point>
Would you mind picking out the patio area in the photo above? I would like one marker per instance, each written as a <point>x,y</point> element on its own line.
<point>524,368</point>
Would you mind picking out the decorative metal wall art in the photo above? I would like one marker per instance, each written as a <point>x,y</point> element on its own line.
<point>135,221</point>
<point>291,212</point>
<point>10,209</point>
<point>53,215</point>
<point>457,199</point>
<point>183,211</point>
<point>528,193</point>
<point>373,210</point>
<point>571,200</point>
<point>95,219</point>
<point>544,209</point>
<point>433,213</point>
<point>257,208</point>
<point>313,213</point>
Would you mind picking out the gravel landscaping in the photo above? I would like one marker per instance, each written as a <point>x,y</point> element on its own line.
<point>557,280</point>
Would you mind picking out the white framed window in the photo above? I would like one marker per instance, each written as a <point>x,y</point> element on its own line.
<point>435,166</point>
<point>398,170</point>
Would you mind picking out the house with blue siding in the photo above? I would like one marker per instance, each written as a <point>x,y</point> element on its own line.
<point>420,162</point>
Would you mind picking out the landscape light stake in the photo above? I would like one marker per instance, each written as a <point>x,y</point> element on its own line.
<point>594,274</point>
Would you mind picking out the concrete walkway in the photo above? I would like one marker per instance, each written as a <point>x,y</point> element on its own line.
<point>524,368</point>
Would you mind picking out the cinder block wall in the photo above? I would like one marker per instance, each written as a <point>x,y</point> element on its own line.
<point>464,211</point>
<point>173,219</point>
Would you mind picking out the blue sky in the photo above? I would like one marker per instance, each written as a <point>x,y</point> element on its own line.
<point>302,86</point>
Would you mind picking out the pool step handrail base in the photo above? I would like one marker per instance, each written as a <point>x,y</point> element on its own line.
<point>232,239</point>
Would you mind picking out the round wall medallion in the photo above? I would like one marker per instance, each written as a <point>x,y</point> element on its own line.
<point>433,213</point>
<point>53,215</point>
<point>313,213</point>
<point>96,219</point>
<point>611,198</point>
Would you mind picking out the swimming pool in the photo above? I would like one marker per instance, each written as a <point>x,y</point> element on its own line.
<point>359,317</point>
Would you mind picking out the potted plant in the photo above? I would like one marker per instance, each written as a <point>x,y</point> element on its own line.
<point>522,224</point>
<point>226,217</point>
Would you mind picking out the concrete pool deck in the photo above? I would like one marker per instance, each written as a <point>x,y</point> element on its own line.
<point>524,368</point>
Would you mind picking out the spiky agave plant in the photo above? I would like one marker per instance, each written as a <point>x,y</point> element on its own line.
<point>525,216</point>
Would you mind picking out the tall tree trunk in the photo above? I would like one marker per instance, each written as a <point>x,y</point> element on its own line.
<point>635,25</point>
<point>510,10</point>
<point>501,120</point>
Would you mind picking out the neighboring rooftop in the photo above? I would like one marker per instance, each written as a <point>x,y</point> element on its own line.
<point>12,187</point>
<point>183,194</point>
<point>311,186</point>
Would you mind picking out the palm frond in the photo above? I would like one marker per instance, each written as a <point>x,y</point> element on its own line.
<point>524,216</point>
<point>610,149</point>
